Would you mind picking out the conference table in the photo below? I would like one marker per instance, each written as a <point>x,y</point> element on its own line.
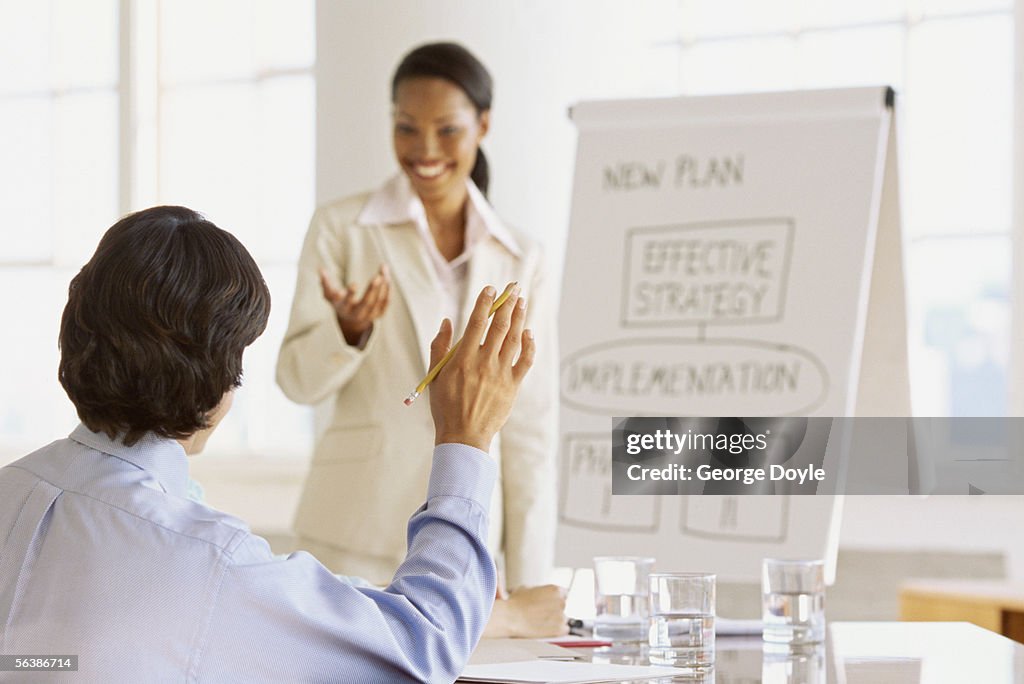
<point>859,653</point>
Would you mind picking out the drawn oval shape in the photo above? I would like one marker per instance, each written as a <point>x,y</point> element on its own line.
<point>688,377</point>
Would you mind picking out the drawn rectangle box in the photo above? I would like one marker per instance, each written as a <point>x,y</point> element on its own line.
<point>585,489</point>
<point>737,518</point>
<point>725,272</point>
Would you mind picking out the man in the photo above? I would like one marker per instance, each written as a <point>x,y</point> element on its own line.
<point>105,557</point>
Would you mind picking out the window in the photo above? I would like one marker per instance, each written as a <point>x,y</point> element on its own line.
<point>951,63</point>
<point>118,105</point>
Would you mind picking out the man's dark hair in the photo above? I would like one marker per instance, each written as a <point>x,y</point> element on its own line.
<point>155,325</point>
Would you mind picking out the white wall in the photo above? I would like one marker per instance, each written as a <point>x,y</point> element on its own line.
<point>950,523</point>
<point>545,55</point>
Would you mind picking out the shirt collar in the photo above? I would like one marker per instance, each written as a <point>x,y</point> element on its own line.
<point>396,203</point>
<point>160,457</point>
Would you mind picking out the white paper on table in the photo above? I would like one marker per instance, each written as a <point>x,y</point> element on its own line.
<point>559,672</point>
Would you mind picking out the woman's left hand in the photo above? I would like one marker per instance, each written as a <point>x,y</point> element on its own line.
<point>531,612</point>
<point>356,314</point>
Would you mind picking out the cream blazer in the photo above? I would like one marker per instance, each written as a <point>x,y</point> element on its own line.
<point>371,464</point>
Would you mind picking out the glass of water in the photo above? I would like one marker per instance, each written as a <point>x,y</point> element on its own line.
<point>793,601</point>
<point>620,591</point>
<point>682,631</point>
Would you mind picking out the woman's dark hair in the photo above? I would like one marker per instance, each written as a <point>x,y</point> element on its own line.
<point>155,325</point>
<point>455,64</point>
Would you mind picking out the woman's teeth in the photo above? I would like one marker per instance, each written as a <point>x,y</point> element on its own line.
<point>429,170</point>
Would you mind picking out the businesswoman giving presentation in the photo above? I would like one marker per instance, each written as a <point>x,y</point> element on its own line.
<point>377,272</point>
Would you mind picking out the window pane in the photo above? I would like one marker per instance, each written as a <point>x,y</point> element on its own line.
<point>85,173</point>
<point>287,167</point>
<point>959,311</point>
<point>243,154</point>
<point>26,231</point>
<point>956,141</point>
<point>284,33</point>
<point>57,44</point>
<point>262,420</point>
<point>33,407</point>
<point>24,46</point>
<point>203,40</point>
<point>207,40</point>
<point>85,43</point>
<point>857,57</point>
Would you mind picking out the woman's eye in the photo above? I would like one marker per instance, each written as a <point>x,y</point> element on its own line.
<point>404,129</point>
<point>449,130</point>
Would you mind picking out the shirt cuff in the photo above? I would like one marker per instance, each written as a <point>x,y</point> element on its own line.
<point>463,471</point>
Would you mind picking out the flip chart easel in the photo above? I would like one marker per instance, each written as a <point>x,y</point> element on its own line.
<point>734,255</point>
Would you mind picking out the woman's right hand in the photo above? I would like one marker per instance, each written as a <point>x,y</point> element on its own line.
<point>357,314</point>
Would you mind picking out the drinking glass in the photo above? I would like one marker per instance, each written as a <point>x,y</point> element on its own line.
<point>793,601</point>
<point>682,631</point>
<point>620,591</point>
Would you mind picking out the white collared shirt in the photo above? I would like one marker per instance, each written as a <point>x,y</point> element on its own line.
<point>397,202</point>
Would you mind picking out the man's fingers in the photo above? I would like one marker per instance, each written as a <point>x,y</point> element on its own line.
<point>441,343</point>
<point>514,339</point>
<point>501,323</point>
<point>477,321</point>
<point>525,357</point>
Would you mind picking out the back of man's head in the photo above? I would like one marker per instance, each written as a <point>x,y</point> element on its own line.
<point>156,322</point>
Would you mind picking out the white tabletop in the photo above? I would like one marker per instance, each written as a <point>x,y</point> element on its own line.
<point>864,653</point>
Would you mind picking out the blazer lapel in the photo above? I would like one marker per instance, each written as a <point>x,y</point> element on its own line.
<point>414,276</point>
<point>490,264</point>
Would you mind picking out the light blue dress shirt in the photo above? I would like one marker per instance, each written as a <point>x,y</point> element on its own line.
<point>102,555</point>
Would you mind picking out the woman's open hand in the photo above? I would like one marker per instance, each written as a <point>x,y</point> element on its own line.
<point>357,314</point>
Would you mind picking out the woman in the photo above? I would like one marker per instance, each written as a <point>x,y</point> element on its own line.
<point>419,243</point>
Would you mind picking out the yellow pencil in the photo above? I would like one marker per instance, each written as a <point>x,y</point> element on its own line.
<point>502,298</point>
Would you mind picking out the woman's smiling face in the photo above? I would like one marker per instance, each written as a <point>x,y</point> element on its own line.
<point>436,133</point>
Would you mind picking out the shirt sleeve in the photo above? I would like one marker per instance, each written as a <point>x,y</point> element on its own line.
<point>291,619</point>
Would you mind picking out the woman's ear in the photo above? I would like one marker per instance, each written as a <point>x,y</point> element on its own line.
<point>484,122</point>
